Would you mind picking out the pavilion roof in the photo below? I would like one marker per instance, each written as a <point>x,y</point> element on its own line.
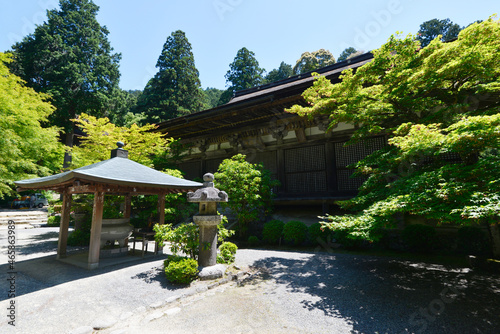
<point>116,173</point>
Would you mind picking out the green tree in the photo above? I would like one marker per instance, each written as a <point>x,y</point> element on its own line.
<point>249,187</point>
<point>346,53</point>
<point>101,137</point>
<point>123,104</point>
<point>282,72</point>
<point>310,61</point>
<point>244,72</point>
<point>70,58</point>
<point>434,104</point>
<point>176,89</point>
<point>27,148</point>
<point>433,28</point>
<point>212,97</point>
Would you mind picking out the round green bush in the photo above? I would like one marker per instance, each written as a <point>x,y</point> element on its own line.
<point>318,235</point>
<point>227,252</point>
<point>253,240</point>
<point>54,221</point>
<point>295,232</point>
<point>419,238</point>
<point>272,231</point>
<point>182,270</point>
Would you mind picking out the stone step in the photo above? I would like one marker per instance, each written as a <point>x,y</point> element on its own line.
<point>24,217</point>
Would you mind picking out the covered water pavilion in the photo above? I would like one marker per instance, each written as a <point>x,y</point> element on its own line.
<point>118,176</point>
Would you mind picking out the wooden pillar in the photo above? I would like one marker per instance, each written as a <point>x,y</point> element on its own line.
<point>64,226</point>
<point>127,212</point>
<point>161,208</point>
<point>95,231</point>
<point>128,206</point>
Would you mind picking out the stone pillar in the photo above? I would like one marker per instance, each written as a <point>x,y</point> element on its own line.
<point>207,219</point>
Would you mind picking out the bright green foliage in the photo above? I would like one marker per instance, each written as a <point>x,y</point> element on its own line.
<point>27,148</point>
<point>429,30</point>
<point>244,72</point>
<point>70,58</point>
<point>227,253</point>
<point>295,232</point>
<point>439,107</point>
<point>183,239</point>
<point>249,187</point>
<point>282,72</point>
<point>176,89</point>
<point>181,270</point>
<point>272,231</point>
<point>420,238</point>
<point>346,53</point>
<point>310,61</point>
<point>102,136</point>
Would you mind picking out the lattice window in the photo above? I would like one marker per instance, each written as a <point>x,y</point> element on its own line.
<point>268,159</point>
<point>305,169</point>
<point>348,155</point>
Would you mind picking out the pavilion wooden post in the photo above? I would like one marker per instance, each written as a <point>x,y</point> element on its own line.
<point>95,232</point>
<point>161,208</point>
<point>64,226</point>
<point>127,212</point>
<point>128,206</point>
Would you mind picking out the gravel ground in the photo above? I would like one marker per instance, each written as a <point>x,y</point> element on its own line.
<point>288,292</point>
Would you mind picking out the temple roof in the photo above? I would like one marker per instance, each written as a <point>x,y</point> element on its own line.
<point>254,106</point>
<point>117,171</point>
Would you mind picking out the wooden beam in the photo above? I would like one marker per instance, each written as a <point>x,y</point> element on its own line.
<point>64,226</point>
<point>95,231</point>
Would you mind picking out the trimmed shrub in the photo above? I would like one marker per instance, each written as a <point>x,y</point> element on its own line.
<point>272,231</point>
<point>181,270</point>
<point>472,241</point>
<point>318,234</point>
<point>419,238</point>
<point>253,240</point>
<point>54,221</point>
<point>227,252</point>
<point>295,232</point>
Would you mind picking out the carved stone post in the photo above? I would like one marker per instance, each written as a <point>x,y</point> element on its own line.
<point>207,219</point>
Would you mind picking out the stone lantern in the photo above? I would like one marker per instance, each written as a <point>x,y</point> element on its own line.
<point>207,219</point>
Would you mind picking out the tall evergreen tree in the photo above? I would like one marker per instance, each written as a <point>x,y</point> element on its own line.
<point>433,28</point>
<point>282,72</point>
<point>346,53</point>
<point>244,72</point>
<point>70,58</point>
<point>176,89</point>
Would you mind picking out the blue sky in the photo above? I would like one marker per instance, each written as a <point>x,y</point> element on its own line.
<point>275,30</point>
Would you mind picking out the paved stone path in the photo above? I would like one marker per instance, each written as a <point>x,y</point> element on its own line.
<point>287,292</point>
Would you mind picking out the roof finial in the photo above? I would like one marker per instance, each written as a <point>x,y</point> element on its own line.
<point>119,152</point>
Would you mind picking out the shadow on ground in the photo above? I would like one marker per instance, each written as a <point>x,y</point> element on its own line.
<point>381,295</point>
<point>44,271</point>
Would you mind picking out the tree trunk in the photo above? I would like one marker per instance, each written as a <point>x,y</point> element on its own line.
<point>69,143</point>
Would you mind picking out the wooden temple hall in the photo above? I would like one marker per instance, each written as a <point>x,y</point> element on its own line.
<point>309,161</point>
<point>116,176</point>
